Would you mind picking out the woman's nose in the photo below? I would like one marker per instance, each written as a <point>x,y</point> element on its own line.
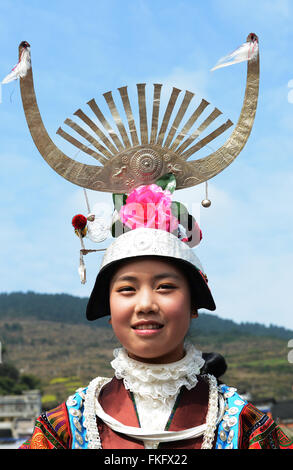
<point>146,302</point>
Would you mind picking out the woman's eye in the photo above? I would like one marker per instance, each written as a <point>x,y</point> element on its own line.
<point>125,289</point>
<point>166,286</point>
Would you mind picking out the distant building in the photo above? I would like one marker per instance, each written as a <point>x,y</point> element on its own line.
<point>18,414</point>
<point>282,413</point>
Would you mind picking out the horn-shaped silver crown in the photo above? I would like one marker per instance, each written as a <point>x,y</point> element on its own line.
<point>139,153</point>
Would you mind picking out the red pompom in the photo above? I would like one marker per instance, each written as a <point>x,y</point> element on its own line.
<point>79,221</point>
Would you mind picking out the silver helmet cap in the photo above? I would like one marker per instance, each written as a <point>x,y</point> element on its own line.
<point>143,242</point>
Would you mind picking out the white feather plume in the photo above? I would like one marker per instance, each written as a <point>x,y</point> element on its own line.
<point>20,70</point>
<point>247,51</point>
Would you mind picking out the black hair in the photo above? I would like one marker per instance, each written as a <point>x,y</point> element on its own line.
<point>215,364</point>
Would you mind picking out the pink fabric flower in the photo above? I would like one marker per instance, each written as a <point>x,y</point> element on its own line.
<point>149,206</point>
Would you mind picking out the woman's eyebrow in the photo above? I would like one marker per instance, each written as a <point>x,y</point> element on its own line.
<point>163,275</point>
<point>127,277</point>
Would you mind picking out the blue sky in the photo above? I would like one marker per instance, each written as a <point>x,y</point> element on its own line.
<point>83,49</point>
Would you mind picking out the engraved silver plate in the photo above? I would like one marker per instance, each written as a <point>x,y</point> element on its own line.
<point>233,410</point>
<point>232,421</point>
<point>223,436</point>
<point>239,402</point>
<point>82,394</point>
<point>74,412</point>
<point>226,426</point>
<point>71,402</point>
<point>78,438</point>
<point>77,424</point>
<point>230,436</point>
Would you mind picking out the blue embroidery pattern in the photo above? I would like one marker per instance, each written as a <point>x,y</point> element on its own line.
<point>228,430</point>
<point>75,412</point>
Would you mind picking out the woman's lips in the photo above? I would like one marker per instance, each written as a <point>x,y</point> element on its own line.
<point>147,328</point>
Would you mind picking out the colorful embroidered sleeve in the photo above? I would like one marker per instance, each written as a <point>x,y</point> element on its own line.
<point>51,431</point>
<point>259,431</point>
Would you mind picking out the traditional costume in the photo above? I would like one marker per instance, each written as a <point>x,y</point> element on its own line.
<point>149,406</point>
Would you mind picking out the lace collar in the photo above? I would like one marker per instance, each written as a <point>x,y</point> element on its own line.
<point>158,381</point>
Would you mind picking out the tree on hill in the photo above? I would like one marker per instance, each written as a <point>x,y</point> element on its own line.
<point>12,382</point>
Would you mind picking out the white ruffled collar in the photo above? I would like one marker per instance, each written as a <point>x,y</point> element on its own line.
<point>158,381</point>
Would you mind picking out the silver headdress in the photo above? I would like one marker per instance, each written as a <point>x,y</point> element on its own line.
<point>147,152</point>
<point>128,162</point>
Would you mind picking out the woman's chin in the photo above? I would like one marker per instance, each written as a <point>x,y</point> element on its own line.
<point>152,355</point>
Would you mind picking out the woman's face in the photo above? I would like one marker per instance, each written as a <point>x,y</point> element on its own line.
<point>150,309</point>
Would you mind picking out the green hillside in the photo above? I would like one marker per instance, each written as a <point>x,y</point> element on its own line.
<point>71,310</point>
<point>47,336</point>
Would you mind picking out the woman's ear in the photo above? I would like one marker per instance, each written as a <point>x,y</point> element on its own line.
<point>194,313</point>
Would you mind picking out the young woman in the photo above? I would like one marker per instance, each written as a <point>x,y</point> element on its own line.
<point>151,284</point>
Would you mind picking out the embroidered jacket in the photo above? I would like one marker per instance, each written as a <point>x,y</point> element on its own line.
<point>243,426</point>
